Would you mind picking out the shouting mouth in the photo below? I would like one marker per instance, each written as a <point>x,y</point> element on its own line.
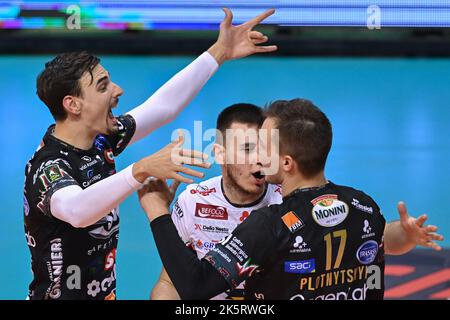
<point>259,177</point>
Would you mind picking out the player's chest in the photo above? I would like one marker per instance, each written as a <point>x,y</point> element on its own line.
<point>213,224</point>
<point>93,168</point>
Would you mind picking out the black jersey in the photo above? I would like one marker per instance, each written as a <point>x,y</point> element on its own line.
<point>68,262</point>
<point>319,243</point>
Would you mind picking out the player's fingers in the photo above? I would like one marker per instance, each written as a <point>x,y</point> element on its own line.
<point>179,142</point>
<point>193,154</point>
<point>194,162</point>
<point>421,220</point>
<point>259,41</point>
<point>431,228</point>
<point>262,49</point>
<point>228,17</point>
<point>191,172</point>
<point>402,211</point>
<point>258,19</point>
<point>180,178</point>
<point>434,246</point>
<point>435,236</point>
<point>256,35</point>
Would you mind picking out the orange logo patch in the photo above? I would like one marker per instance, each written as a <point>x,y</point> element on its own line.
<point>293,222</point>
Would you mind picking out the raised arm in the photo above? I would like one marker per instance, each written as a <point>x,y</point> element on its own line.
<point>83,207</point>
<point>165,104</point>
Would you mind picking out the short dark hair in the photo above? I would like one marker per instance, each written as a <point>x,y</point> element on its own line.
<point>242,113</point>
<point>305,133</point>
<point>61,78</point>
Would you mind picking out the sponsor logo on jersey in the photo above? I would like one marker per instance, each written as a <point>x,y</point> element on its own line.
<point>292,221</point>
<point>111,296</point>
<point>244,216</point>
<point>361,207</point>
<point>328,211</point>
<point>26,206</point>
<point>205,245</point>
<point>213,229</point>
<point>47,165</point>
<point>55,269</point>
<point>30,240</point>
<point>108,225</point>
<point>88,164</point>
<point>105,245</point>
<point>259,296</point>
<point>247,267</point>
<point>367,252</point>
<point>178,211</point>
<point>359,293</point>
<point>92,179</point>
<point>109,156</point>
<point>100,142</point>
<point>278,189</point>
<point>208,211</point>
<point>53,173</point>
<point>95,286</point>
<point>367,230</point>
<point>110,259</point>
<point>301,267</point>
<point>203,190</point>
<point>299,246</point>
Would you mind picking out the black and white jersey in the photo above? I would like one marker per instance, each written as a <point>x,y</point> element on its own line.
<point>68,262</point>
<point>319,243</point>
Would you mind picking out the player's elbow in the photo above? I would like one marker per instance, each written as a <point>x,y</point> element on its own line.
<point>164,290</point>
<point>72,217</point>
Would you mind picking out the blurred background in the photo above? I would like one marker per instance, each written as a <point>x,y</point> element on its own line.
<point>379,69</point>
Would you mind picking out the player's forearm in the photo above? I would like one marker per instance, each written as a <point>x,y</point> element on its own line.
<point>192,278</point>
<point>82,208</point>
<point>396,242</point>
<point>166,103</point>
<point>164,290</point>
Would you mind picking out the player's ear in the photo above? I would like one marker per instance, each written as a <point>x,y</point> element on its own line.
<point>219,153</point>
<point>287,163</point>
<point>71,105</point>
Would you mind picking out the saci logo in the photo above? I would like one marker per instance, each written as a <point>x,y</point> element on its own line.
<point>328,211</point>
<point>301,267</point>
<point>367,252</point>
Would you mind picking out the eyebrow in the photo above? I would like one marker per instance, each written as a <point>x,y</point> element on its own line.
<point>103,78</point>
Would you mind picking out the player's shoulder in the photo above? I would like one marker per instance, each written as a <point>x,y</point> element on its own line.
<point>274,192</point>
<point>47,156</point>
<point>358,198</point>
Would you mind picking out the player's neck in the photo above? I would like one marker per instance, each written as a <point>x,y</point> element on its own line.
<point>74,134</point>
<point>236,196</point>
<point>298,181</point>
